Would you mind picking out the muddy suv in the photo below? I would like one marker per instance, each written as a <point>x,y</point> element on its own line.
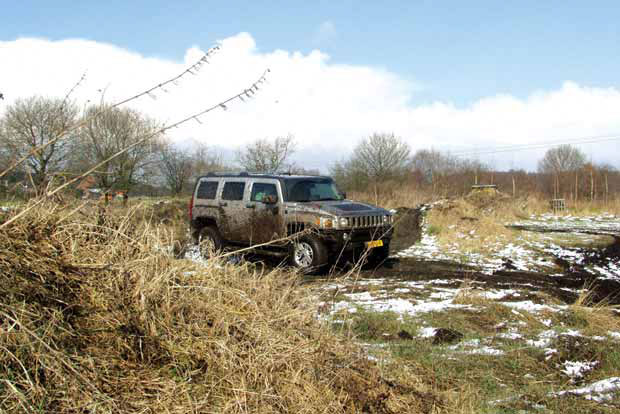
<point>304,218</point>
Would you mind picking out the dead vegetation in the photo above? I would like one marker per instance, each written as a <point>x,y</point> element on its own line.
<point>96,315</point>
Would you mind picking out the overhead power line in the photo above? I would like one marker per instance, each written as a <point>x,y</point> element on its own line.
<point>533,146</point>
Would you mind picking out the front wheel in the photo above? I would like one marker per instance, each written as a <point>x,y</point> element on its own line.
<point>378,255</point>
<point>308,254</point>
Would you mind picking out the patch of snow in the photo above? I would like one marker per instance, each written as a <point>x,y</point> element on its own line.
<point>486,350</point>
<point>445,281</point>
<point>473,347</point>
<point>544,339</point>
<point>443,295</point>
<point>577,369</point>
<point>549,353</point>
<point>471,342</point>
<point>528,305</point>
<point>426,332</point>
<point>509,335</point>
<point>340,306</point>
<point>398,305</point>
<point>600,391</point>
<point>615,335</point>
<point>499,294</point>
<point>193,253</point>
<point>360,297</point>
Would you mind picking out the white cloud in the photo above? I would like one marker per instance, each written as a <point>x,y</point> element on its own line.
<point>328,107</point>
<point>325,32</point>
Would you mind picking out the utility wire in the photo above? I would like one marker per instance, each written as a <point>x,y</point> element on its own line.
<point>193,69</point>
<point>247,93</point>
<point>525,147</point>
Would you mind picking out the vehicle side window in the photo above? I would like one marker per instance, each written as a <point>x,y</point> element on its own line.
<point>233,191</point>
<point>207,190</point>
<point>261,190</point>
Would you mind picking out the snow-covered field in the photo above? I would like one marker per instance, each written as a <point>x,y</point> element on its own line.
<point>601,224</point>
<point>530,319</point>
<point>529,252</point>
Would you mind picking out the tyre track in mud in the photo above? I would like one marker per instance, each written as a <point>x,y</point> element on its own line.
<point>564,285</point>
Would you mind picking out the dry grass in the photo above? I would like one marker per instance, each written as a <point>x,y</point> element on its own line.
<point>96,315</point>
<point>393,196</point>
<point>597,317</point>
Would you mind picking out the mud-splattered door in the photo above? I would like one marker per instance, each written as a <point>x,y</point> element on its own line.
<point>232,209</point>
<point>264,207</point>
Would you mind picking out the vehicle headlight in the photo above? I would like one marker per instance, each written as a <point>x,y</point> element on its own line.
<point>343,222</point>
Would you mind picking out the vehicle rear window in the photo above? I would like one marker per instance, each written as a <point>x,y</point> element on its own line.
<point>207,190</point>
<point>233,191</point>
<point>261,190</point>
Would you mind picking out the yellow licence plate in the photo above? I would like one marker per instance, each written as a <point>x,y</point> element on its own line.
<point>374,243</point>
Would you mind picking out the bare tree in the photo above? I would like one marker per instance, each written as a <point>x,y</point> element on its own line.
<point>34,123</point>
<point>559,161</point>
<point>381,156</point>
<point>267,156</point>
<point>176,166</point>
<point>430,163</point>
<point>207,160</point>
<point>376,158</point>
<point>117,131</point>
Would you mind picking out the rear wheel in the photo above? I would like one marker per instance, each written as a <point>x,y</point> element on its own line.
<point>308,254</point>
<point>210,241</point>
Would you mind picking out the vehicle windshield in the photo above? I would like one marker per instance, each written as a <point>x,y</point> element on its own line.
<point>303,190</point>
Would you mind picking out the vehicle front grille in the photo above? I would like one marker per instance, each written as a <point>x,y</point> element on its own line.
<point>365,221</point>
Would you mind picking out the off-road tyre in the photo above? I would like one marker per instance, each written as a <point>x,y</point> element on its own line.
<point>308,254</point>
<point>212,234</point>
<point>378,255</point>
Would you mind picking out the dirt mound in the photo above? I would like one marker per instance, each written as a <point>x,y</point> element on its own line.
<point>486,197</point>
<point>96,316</point>
<point>407,227</point>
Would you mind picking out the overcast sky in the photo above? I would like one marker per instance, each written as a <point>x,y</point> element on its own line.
<point>468,77</point>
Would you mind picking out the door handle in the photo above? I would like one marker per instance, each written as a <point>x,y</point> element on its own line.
<point>250,205</point>
<point>223,204</point>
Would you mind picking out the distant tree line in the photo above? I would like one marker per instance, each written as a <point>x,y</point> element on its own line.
<point>379,163</point>
<point>384,162</point>
<point>30,130</point>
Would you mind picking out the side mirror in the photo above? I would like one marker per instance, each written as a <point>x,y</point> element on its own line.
<point>270,199</point>
<point>344,196</point>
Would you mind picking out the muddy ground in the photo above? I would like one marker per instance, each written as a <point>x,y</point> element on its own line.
<point>564,285</point>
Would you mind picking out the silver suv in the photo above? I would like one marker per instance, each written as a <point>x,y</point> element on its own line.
<point>304,218</point>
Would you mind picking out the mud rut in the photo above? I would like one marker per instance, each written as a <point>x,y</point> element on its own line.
<point>563,285</point>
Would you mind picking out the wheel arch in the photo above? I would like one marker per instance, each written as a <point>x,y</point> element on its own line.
<point>201,222</point>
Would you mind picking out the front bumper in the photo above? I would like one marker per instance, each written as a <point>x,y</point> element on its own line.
<point>355,239</point>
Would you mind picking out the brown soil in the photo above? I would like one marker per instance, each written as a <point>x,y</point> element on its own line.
<point>407,227</point>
